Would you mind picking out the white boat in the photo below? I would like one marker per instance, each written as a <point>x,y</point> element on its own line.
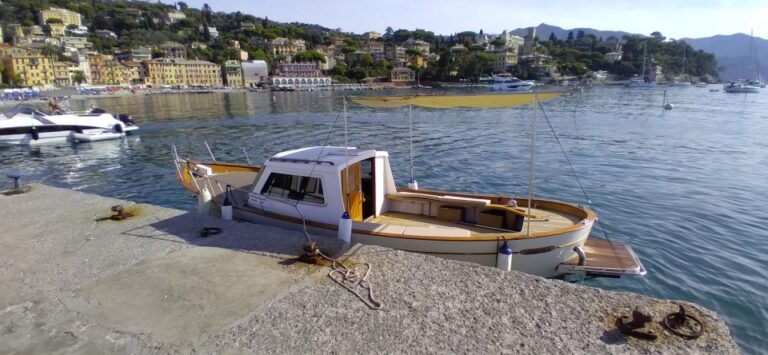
<point>318,186</point>
<point>27,124</point>
<point>740,87</point>
<point>507,82</point>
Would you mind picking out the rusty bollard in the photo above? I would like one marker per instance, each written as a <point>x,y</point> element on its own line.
<point>120,213</point>
<point>637,326</point>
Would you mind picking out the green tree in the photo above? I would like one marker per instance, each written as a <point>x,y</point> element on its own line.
<point>78,77</point>
<point>309,56</point>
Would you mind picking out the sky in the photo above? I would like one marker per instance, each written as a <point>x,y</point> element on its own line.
<point>673,18</point>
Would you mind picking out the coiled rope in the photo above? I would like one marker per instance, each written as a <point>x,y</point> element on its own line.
<point>351,278</point>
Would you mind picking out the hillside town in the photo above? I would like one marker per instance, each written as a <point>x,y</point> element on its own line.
<point>59,49</point>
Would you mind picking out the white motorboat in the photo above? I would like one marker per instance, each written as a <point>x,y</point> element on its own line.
<point>507,82</point>
<point>741,87</point>
<point>27,124</point>
<point>324,188</point>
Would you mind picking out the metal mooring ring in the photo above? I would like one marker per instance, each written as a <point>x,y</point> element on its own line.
<point>674,320</point>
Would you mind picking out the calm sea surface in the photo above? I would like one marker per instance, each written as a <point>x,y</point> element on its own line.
<point>688,188</point>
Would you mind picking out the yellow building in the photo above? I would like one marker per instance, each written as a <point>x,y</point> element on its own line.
<point>201,73</point>
<point>133,73</point>
<point>183,72</point>
<point>7,50</point>
<point>97,64</point>
<point>233,74</point>
<point>417,61</point>
<point>113,73</point>
<point>61,74</point>
<point>57,30</point>
<point>286,47</point>
<point>31,70</point>
<point>66,16</point>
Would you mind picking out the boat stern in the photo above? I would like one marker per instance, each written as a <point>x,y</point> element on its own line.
<point>603,258</point>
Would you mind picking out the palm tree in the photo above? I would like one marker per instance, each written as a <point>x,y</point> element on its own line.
<point>78,77</point>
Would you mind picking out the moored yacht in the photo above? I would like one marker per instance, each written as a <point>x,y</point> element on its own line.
<point>27,124</point>
<point>507,82</point>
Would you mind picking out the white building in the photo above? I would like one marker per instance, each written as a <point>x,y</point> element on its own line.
<point>299,76</point>
<point>255,72</point>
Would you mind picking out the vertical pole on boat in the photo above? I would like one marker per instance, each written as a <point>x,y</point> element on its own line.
<point>531,178</point>
<point>246,156</point>
<point>209,151</point>
<point>345,222</point>
<point>412,183</point>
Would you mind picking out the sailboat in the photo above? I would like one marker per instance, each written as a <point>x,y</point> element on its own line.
<point>686,80</point>
<point>642,81</point>
<point>758,81</point>
<point>750,85</point>
<point>312,187</point>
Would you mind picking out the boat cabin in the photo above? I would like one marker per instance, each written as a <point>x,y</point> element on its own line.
<point>323,182</point>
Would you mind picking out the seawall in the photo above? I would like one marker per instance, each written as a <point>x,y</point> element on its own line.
<point>75,281</point>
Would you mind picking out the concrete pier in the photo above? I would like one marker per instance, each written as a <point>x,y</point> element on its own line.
<point>74,281</point>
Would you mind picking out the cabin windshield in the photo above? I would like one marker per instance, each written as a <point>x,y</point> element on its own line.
<point>294,187</point>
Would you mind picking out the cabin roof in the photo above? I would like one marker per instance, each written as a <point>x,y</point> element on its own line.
<point>324,157</point>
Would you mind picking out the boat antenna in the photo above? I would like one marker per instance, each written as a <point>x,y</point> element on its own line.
<point>531,178</point>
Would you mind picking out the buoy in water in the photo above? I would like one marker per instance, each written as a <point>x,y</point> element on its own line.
<point>668,107</point>
<point>226,206</point>
<point>413,184</point>
<point>345,228</point>
<point>504,257</point>
<point>204,202</point>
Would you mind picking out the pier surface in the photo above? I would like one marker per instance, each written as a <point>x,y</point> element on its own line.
<point>74,281</point>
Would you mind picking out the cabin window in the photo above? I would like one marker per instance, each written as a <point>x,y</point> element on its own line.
<point>294,187</point>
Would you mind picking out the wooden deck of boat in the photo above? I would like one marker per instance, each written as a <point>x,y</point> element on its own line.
<point>551,220</point>
<point>607,255</point>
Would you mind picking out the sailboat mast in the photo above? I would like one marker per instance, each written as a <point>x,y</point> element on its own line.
<point>531,177</point>
<point>644,56</point>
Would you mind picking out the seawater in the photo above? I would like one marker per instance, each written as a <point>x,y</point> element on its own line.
<point>687,188</point>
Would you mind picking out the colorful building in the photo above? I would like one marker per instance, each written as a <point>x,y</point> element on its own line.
<point>61,76</point>
<point>299,76</point>
<point>402,77</point>
<point>183,72</point>
<point>174,50</point>
<point>284,47</point>
<point>233,74</point>
<point>57,30</point>
<point>31,70</point>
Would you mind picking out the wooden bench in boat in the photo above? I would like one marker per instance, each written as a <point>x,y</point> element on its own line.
<point>476,211</point>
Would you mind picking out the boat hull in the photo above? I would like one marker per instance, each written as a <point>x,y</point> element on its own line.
<point>537,256</point>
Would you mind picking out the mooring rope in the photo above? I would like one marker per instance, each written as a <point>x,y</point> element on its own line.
<point>351,278</point>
